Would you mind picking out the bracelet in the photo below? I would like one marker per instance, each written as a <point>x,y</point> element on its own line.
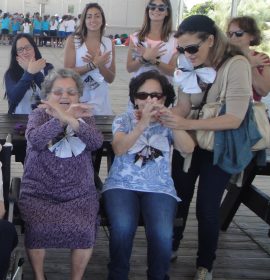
<point>91,66</point>
<point>144,61</point>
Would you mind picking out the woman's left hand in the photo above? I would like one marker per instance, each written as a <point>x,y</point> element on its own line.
<point>259,59</point>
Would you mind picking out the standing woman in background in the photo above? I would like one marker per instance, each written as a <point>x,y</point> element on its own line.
<point>92,55</point>
<point>244,32</point>
<point>154,46</point>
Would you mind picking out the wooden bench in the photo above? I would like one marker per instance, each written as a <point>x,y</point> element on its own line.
<point>256,200</point>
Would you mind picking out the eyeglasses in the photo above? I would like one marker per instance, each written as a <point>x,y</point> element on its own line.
<point>238,33</point>
<point>60,91</point>
<point>27,48</point>
<point>191,49</point>
<point>144,95</point>
<point>161,8</point>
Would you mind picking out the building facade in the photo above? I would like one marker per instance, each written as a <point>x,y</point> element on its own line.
<point>122,16</point>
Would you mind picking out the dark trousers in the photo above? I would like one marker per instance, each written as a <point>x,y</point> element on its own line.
<point>8,241</point>
<point>211,186</point>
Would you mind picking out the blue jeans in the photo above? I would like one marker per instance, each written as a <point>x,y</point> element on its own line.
<point>124,208</point>
<point>211,186</point>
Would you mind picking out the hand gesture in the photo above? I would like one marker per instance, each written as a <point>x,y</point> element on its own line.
<point>55,110</point>
<point>151,53</point>
<point>149,113</point>
<point>170,119</point>
<point>102,59</point>
<point>80,110</point>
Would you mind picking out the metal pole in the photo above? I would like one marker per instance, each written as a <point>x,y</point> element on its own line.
<point>235,4</point>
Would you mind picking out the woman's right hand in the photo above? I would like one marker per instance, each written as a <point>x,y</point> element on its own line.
<point>148,113</point>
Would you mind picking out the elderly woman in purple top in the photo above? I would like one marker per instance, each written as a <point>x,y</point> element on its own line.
<point>58,199</point>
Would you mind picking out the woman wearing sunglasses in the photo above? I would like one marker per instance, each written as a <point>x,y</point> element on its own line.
<point>244,33</point>
<point>203,45</point>
<point>139,182</point>
<point>154,46</point>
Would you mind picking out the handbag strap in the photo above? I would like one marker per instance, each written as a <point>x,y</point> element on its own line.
<point>203,102</point>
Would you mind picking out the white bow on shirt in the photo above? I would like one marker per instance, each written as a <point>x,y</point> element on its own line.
<point>144,145</point>
<point>185,76</point>
<point>69,145</point>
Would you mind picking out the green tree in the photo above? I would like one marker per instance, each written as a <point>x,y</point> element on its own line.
<point>220,12</point>
<point>202,9</point>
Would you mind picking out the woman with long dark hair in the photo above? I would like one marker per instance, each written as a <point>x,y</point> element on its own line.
<point>24,75</point>
<point>92,55</point>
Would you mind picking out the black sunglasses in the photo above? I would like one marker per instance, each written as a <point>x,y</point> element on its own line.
<point>239,33</point>
<point>191,49</point>
<point>161,8</point>
<point>144,95</point>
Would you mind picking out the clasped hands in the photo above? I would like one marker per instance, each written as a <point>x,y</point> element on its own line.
<point>153,111</point>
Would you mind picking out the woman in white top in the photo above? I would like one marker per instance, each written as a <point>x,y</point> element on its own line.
<point>93,56</point>
<point>154,46</point>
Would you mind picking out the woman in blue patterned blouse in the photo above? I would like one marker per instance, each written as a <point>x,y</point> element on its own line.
<point>139,182</point>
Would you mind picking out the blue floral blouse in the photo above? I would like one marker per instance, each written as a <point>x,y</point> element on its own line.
<point>154,175</point>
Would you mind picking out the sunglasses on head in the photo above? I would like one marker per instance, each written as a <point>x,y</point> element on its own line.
<point>144,95</point>
<point>161,8</point>
<point>191,49</point>
<point>239,33</point>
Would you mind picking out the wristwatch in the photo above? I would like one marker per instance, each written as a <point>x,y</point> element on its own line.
<point>157,62</point>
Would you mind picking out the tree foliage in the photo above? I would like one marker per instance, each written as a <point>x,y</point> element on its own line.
<point>220,12</point>
<point>202,9</point>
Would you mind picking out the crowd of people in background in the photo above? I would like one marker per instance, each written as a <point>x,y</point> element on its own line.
<point>143,179</point>
<point>54,27</point>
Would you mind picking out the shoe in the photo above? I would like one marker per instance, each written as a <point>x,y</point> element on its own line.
<point>203,274</point>
<point>174,256</point>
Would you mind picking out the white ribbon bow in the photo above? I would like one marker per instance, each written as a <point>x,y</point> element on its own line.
<point>186,76</point>
<point>69,145</point>
<point>143,146</point>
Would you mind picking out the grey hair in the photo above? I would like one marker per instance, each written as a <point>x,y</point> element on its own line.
<point>62,73</point>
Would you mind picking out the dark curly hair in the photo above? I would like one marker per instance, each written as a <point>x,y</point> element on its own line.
<point>138,81</point>
<point>249,25</point>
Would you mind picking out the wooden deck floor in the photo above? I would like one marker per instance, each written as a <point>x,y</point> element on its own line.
<point>244,250</point>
